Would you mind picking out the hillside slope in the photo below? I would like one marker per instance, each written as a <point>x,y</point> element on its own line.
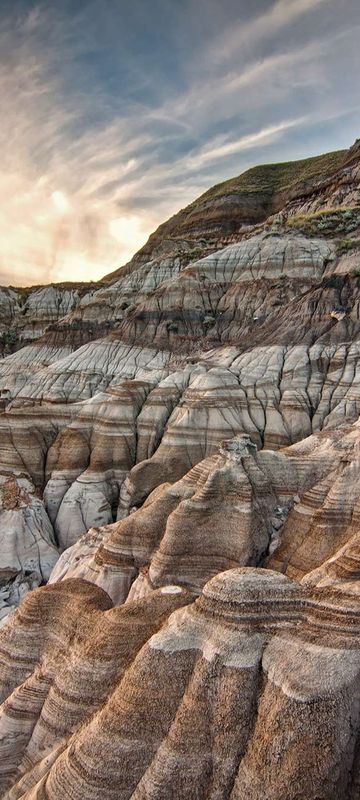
<point>180,463</point>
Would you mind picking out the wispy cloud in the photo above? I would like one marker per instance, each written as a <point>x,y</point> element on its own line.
<point>279,16</point>
<point>222,148</point>
<point>99,146</point>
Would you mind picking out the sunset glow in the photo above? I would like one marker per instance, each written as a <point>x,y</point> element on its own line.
<point>103,139</point>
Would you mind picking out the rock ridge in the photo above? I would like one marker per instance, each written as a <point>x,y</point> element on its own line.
<point>180,507</point>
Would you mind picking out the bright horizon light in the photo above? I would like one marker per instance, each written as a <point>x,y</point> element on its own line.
<point>115,116</point>
<point>61,202</point>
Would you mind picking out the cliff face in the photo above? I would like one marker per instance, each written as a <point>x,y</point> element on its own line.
<point>25,314</point>
<point>179,461</point>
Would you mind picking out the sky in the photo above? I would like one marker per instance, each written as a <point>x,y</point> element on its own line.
<point>117,113</point>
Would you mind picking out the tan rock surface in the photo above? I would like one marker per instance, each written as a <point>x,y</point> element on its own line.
<point>179,459</point>
<point>172,722</point>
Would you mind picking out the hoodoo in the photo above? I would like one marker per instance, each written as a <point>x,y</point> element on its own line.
<point>180,507</point>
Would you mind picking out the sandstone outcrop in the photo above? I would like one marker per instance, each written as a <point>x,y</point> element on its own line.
<point>180,463</point>
<point>258,670</point>
<point>27,544</point>
<point>25,314</point>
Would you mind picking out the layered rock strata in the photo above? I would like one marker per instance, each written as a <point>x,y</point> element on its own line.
<point>179,460</point>
<point>172,723</point>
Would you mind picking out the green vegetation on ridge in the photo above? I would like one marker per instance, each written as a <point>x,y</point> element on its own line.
<point>327,221</point>
<point>270,178</point>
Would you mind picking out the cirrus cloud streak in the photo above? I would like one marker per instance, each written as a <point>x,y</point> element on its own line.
<point>99,146</point>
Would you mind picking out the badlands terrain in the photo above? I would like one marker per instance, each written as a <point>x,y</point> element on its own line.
<point>180,507</point>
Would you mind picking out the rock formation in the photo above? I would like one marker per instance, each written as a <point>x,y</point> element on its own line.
<point>180,464</point>
<point>258,672</point>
